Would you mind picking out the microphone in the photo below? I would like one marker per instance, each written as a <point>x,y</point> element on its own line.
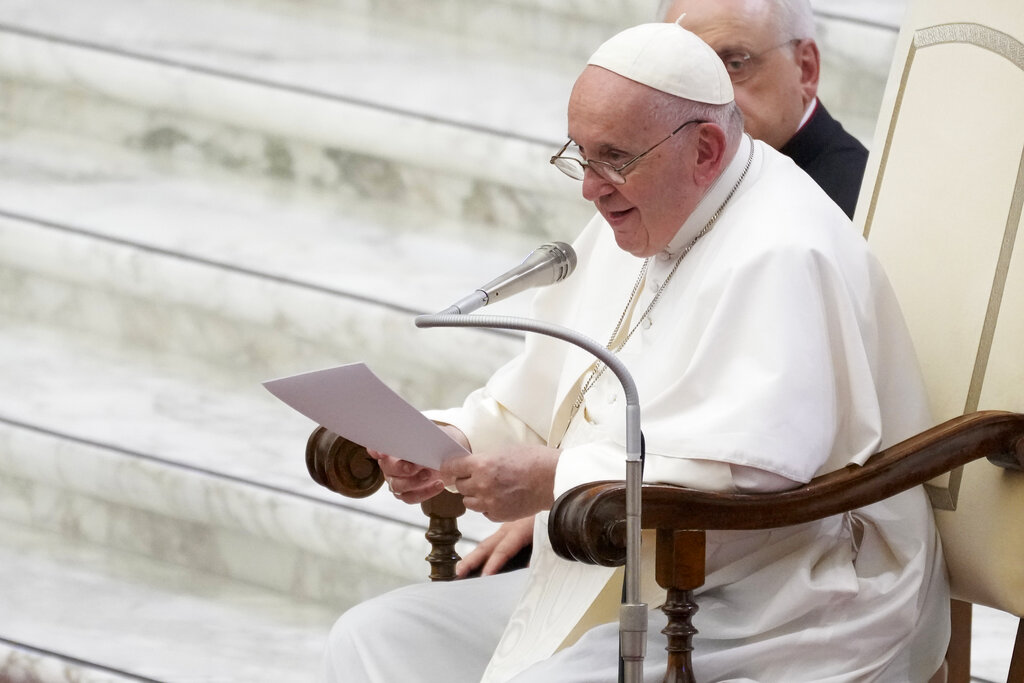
<point>547,264</point>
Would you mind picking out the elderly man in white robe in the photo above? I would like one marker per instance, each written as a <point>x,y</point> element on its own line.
<point>767,348</point>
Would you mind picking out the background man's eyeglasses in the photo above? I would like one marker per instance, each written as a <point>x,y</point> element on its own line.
<point>743,65</point>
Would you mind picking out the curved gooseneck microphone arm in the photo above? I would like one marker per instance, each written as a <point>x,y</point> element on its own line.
<point>633,613</point>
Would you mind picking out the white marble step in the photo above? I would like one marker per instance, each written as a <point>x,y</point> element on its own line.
<point>360,108</point>
<point>343,107</point>
<point>75,612</point>
<point>439,61</point>
<point>20,662</point>
<point>147,500</point>
<point>163,457</point>
<point>235,274</point>
<point>994,634</point>
<point>349,43</point>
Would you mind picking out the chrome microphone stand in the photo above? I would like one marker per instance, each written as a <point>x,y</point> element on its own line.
<point>632,613</point>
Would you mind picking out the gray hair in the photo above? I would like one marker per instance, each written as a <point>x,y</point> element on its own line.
<point>672,110</point>
<point>727,116</point>
<point>794,19</point>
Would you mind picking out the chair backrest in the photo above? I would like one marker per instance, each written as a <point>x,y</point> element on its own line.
<point>941,206</point>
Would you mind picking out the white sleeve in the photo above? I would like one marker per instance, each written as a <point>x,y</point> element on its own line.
<point>486,423</point>
<point>605,461</point>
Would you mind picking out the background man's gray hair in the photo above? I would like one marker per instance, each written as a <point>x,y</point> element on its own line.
<point>795,17</point>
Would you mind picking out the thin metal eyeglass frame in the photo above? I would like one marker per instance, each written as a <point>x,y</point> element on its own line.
<point>612,174</point>
<point>751,62</point>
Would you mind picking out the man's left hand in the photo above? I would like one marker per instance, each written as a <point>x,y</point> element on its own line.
<point>505,484</point>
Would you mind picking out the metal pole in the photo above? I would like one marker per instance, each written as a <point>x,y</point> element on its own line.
<point>632,613</point>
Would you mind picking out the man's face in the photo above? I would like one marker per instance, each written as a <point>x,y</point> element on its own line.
<point>773,99</point>
<point>613,119</point>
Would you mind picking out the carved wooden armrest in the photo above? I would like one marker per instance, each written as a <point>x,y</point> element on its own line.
<point>587,523</point>
<point>345,467</point>
<point>340,465</point>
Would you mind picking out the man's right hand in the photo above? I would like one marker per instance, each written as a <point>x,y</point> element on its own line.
<point>412,483</point>
<point>409,482</point>
<point>498,548</point>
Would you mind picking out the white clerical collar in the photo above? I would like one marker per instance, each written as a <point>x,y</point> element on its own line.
<point>712,199</point>
<point>808,113</point>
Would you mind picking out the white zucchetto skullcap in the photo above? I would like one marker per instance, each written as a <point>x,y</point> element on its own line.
<point>667,57</point>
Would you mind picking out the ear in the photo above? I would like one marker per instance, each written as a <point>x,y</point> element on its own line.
<point>711,145</point>
<point>808,59</point>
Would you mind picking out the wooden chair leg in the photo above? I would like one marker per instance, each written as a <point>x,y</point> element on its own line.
<point>346,468</point>
<point>680,608</point>
<point>1016,674</point>
<point>444,509</point>
<point>679,568</point>
<point>958,655</point>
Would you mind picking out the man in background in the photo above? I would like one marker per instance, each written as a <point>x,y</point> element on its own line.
<point>769,50</point>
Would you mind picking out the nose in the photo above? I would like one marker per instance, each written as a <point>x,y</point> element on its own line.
<point>595,186</point>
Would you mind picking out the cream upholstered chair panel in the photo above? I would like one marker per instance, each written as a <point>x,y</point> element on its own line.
<point>983,538</point>
<point>941,206</point>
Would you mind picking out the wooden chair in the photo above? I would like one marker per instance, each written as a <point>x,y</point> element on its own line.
<point>943,219</point>
<point>586,523</point>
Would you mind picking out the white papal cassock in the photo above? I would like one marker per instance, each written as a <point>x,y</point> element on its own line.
<point>776,352</point>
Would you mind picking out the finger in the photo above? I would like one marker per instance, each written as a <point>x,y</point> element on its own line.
<point>483,506</point>
<point>420,494</point>
<point>479,554</point>
<point>458,467</point>
<point>473,560</point>
<point>498,557</point>
<point>405,484</point>
<point>509,546</point>
<point>403,468</point>
<point>464,486</point>
<point>409,469</point>
<point>387,464</point>
<point>389,461</point>
<point>456,434</point>
<point>495,562</point>
<point>395,468</point>
<point>417,481</point>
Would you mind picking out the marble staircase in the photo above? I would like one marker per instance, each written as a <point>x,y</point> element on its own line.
<point>199,196</point>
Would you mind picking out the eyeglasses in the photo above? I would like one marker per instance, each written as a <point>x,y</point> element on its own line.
<point>575,166</point>
<point>743,65</point>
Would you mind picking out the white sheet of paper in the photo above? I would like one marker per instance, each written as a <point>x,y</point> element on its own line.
<point>353,402</point>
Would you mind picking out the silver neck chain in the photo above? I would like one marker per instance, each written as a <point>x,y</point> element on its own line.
<point>598,368</point>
